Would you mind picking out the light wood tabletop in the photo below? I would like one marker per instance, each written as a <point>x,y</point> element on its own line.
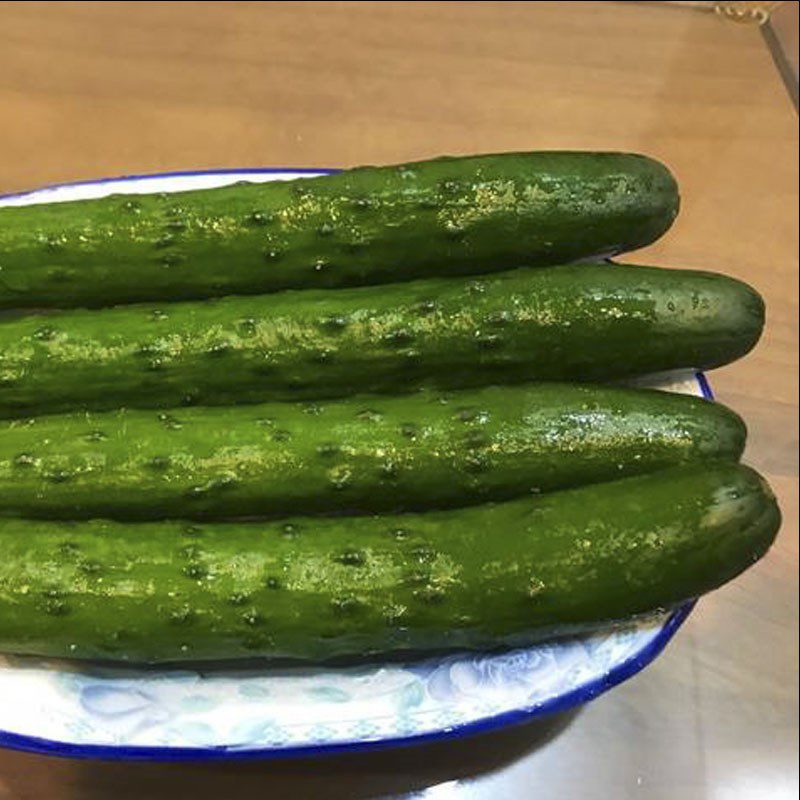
<point>101,89</point>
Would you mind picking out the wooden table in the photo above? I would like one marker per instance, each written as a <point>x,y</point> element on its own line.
<point>97,89</point>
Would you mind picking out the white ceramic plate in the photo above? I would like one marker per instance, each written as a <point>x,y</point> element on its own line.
<point>129,713</point>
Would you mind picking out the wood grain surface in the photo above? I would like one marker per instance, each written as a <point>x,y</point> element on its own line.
<point>105,88</point>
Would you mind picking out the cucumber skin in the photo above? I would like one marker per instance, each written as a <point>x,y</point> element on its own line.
<point>316,589</point>
<point>364,454</point>
<point>363,226</point>
<point>566,323</point>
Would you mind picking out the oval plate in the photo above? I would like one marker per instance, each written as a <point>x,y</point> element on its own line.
<point>124,713</point>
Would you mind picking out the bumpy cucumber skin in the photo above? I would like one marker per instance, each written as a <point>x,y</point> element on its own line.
<point>365,454</point>
<point>363,226</point>
<point>319,588</point>
<point>577,322</point>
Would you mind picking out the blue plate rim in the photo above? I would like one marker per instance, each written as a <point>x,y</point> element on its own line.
<point>559,704</point>
<point>578,696</point>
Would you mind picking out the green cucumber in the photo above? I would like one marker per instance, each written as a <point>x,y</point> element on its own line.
<point>576,322</point>
<point>363,454</point>
<point>319,588</point>
<point>370,225</point>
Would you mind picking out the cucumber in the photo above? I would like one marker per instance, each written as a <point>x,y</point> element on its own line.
<point>363,454</point>
<point>316,589</point>
<point>576,322</point>
<point>364,226</point>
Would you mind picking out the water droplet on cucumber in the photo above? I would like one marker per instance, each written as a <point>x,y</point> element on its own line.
<point>182,616</point>
<point>488,341</point>
<point>172,259</point>
<point>432,595</point>
<point>170,422</point>
<point>261,218</point>
<point>159,463</point>
<point>409,430</point>
<point>333,323</point>
<point>56,608</point>
<point>247,327</point>
<point>195,571</point>
<point>340,477</point>
<point>400,336</point>
<point>322,356</point>
<point>58,476</point>
<point>218,349</point>
<point>345,605</point>
<point>351,558</point>
<point>535,587</point>
<point>389,470</point>
<point>44,334</point>
<point>252,617</point>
